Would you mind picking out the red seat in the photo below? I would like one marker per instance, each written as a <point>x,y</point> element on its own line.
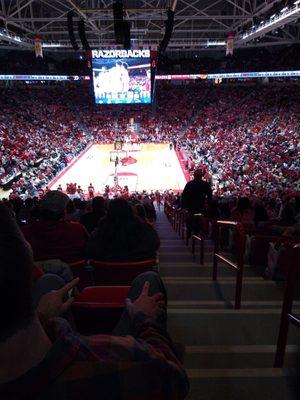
<point>120,273</point>
<point>97,309</point>
<point>285,257</point>
<point>82,270</point>
<point>259,247</point>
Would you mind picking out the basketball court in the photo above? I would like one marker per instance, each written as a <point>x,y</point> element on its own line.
<point>151,167</point>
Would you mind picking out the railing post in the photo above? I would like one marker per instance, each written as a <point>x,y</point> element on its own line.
<point>240,266</point>
<point>193,246</point>
<point>202,250</point>
<point>284,322</point>
<point>216,250</point>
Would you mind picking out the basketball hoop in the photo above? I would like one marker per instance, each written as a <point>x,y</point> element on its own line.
<point>115,157</point>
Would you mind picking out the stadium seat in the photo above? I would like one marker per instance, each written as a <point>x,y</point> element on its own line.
<point>82,270</point>
<point>97,309</point>
<point>259,245</point>
<point>286,256</point>
<point>120,273</point>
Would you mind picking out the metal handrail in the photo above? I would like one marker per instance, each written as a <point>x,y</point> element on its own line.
<point>286,313</point>
<point>238,266</point>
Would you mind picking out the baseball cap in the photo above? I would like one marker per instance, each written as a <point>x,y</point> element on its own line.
<point>55,201</point>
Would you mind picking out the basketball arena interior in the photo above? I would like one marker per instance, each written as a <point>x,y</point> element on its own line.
<point>150,199</point>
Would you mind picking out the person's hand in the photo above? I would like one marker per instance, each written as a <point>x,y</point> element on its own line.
<point>150,306</point>
<point>54,303</point>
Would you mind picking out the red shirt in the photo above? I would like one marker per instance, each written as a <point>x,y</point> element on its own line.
<point>62,240</point>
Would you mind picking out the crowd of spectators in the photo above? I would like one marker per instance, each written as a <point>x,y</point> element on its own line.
<point>69,230</point>
<point>39,136</point>
<point>277,216</point>
<point>174,108</point>
<point>245,137</point>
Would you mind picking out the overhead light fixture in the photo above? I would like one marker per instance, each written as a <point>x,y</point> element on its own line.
<point>215,43</point>
<point>10,37</point>
<point>284,15</point>
<point>52,45</point>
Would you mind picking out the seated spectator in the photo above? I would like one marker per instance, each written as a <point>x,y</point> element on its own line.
<point>260,215</point>
<point>90,219</point>
<point>121,236</point>
<point>25,213</point>
<point>75,210</point>
<point>41,357</point>
<point>51,237</point>
<point>141,212</point>
<point>244,213</point>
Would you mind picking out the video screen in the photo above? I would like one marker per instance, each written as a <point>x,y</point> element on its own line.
<point>121,76</point>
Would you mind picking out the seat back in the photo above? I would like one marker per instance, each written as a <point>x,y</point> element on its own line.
<point>98,309</point>
<point>259,247</point>
<point>120,273</point>
<point>82,270</point>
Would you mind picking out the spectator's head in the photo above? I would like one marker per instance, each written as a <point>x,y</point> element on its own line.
<point>120,209</point>
<point>243,203</point>
<point>141,212</point>
<point>29,202</point>
<point>53,205</point>
<point>70,207</point>
<point>198,174</point>
<point>15,277</point>
<point>98,203</point>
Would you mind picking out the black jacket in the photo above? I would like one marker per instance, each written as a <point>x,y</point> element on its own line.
<point>125,240</point>
<point>194,195</point>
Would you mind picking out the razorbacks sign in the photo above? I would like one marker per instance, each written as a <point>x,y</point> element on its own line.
<point>121,53</point>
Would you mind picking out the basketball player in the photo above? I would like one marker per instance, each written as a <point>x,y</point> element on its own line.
<point>148,81</point>
<point>124,77</point>
<point>91,191</point>
<point>101,83</point>
<point>115,78</point>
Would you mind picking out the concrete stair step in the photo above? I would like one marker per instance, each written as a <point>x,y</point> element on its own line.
<point>227,327</point>
<point>226,304</point>
<point>247,384</point>
<point>200,271</point>
<point>221,290</point>
<point>183,257</point>
<point>228,353</point>
<point>222,357</point>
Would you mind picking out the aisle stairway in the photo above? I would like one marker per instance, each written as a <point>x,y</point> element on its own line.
<point>228,353</point>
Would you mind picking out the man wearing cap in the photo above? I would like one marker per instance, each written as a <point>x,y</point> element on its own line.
<point>50,236</point>
<point>194,195</point>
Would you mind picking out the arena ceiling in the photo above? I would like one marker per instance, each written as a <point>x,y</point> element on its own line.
<point>199,24</point>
